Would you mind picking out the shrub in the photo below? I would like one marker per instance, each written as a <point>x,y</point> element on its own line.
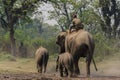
<point>6,56</point>
<point>104,47</point>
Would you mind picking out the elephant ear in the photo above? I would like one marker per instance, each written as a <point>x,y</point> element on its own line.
<point>61,38</point>
<point>62,35</point>
<point>67,32</point>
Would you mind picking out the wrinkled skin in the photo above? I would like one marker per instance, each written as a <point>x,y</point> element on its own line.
<point>41,57</point>
<point>65,61</point>
<point>79,44</point>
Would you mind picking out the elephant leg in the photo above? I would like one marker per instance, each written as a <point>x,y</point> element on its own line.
<point>38,68</point>
<point>57,64</point>
<point>44,67</point>
<point>45,64</point>
<point>66,71</point>
<point>61,70</point>
<point>77,70</point>
<point>88,61</point>
<point>70,71</point>
<point>40,63</point>
<point>56,67</point>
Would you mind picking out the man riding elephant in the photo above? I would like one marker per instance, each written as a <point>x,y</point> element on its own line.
<point>76,24</point>
<point>80,44</point>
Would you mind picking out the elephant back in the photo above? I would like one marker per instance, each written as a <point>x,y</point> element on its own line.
<point>40,52</point>
<point>76,39</point>
<point>65,58</point>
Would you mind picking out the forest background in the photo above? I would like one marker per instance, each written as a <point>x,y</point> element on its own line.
<point>27,25</point>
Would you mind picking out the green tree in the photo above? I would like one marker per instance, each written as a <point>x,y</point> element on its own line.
<point>11,11</point>
<point>60,13</point>
<point>63,10</point>
<point>111,16</point>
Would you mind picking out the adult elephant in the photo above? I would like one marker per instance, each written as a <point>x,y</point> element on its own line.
<point>80,44</point>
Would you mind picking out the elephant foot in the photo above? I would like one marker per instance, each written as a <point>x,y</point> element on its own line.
<point>66,73</point>
<point>69,76</point>
<point>44,71</point>
<point>61,75</point>
<point>88,75</point>
<point>77,73</point>
<point>39,71</point>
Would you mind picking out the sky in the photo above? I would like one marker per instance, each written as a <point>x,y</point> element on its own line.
<point>44,8</point>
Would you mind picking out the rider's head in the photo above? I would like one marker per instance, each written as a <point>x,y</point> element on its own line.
<point>74,15</point>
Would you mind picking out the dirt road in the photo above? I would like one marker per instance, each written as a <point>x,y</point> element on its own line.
<point>106,71</point>
<point>24,69</point>
<point>36,76</point>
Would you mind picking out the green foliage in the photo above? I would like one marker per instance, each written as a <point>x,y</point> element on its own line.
<point>26,30</point>
<point>104,47</point>
<point>4,41</point>
<point>49,44</point>
<point>6,37</point>
<point>20,35</point>
<point>10,13</point>
<point>38,42</point>
<point>32,39</point>
<point>6,56</point>
<point>53,57</point>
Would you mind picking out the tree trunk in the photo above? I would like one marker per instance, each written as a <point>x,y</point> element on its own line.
<point>67,15</point>
<point>109,32</point>
<point>114,32</point>
<point>12,41</point>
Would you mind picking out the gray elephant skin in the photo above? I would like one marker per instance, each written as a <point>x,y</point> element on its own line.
<point>65,62</point>
<point>79,44</point>
<point>41,57</point>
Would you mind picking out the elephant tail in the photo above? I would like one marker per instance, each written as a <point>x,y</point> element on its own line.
<point>94,64</point>
<point>91,49</point>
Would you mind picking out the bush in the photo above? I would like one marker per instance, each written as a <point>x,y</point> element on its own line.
<point>104,47</point>
<point>6,56</point>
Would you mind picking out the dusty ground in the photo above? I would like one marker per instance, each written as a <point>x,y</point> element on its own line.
<point>24,69</point>
<point>36,76</point>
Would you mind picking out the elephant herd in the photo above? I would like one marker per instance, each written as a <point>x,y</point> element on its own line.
<point>73,46</point>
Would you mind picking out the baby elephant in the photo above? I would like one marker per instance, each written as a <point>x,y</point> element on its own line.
<point>65,61</point>
<point>41,57</point>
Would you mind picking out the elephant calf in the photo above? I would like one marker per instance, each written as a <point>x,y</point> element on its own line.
<point>65,61</point>
<point>41,57</point>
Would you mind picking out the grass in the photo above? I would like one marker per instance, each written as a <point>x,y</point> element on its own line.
<point>108,66</point>
<point>6,56</point>
<point>9,63</point>
<point>20,65</point>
